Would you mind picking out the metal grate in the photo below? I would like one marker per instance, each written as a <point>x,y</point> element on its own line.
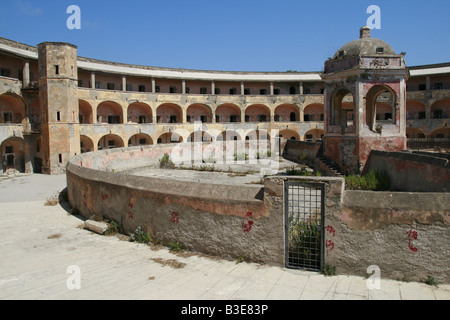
<point>304,210</point>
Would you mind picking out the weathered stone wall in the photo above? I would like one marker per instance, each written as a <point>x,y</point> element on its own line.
<point>411,171</point>
<point>404,234</point>
<point>229,221</point>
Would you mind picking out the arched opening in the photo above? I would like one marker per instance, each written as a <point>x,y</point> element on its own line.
<point>140,139</point>
<point>110,141</point>
<point>257,113</point>
<point>314,135</point>
<point>229,135</point>
<point>12,108</point>
<point>289,135</point>
<point>415,110</point>
<point>200,136</point>
<point>109,112</point>
<point>199,112</point>
<point>287,113</point>
<point>139,112</point>
<point>441,134</point>
<point>228,113</point>
<point>440,109</point>
<point>381,103</point>
<point>169,113</point>
<point>414,133</point>
<point>13,154</point>
<point>314,112</point>
<point>85,110</point>
<point>342,108</point>
<point>170,137</point>
<point>86,144</point>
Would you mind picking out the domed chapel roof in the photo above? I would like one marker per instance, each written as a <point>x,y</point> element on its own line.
<point>364,46</point>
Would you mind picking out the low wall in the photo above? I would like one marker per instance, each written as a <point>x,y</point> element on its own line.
<point>412,171</point>
<point>301,151</point>
<point>224,220</point>
<point>404,234</point>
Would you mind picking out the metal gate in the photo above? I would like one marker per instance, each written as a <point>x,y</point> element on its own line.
<point>304,216</point>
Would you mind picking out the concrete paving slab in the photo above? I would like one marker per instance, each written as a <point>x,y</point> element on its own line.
<point>38,243</point>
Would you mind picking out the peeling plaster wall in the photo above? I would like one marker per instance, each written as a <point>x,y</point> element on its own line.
<point>228,221</point>
<point>404,234</point>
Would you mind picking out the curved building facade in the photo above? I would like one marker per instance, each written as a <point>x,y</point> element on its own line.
<point>55,105</point>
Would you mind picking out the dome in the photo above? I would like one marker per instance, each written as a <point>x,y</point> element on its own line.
<point>364,46</point>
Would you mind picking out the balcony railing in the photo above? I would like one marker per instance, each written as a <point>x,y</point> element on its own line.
<point>428,143</point>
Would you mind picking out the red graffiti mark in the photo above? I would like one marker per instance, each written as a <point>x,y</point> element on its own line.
<point>331,230</point>
<point>131,205</point>
<point>247,225</point>
<point>130,215</point>
<point>105,197</point>
<point>412,235</point>
<point>329,244</point>
<point>175,218</point>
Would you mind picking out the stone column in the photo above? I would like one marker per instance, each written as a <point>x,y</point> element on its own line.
<point>153,85</point>
<point>93,80</point>
<point>26,74</point>
<point>124,83</point>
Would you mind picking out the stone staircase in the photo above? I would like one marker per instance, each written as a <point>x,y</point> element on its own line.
<point>328,166</point>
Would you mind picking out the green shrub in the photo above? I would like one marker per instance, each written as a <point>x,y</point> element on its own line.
<point>373,181</point>
<point>166,163</point>
<point>329,270</point>
<point>140,236</point>
<point>293,171</point>
<point>113,228</point>
<point>175,246</point>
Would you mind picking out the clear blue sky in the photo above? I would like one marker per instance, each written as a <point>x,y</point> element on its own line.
<point>231,35</point>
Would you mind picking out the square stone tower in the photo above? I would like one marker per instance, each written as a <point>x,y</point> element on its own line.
<point>58,84</point>
<point>365,102</point>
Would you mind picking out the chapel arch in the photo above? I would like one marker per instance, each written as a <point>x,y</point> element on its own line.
<point>381,99</point>
<point>342,106</point>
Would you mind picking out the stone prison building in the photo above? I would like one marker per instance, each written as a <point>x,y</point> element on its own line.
<point>366,110</point>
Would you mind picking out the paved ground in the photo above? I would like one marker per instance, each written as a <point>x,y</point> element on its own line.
<point>45,255</point>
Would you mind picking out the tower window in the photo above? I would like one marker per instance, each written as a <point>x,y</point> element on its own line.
<point>380,50</point>
<point>56,69</point>
<point>60,158</point>
<point>58,116</point>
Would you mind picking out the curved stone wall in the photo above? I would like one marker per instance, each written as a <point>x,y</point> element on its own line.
<point>227,220</point>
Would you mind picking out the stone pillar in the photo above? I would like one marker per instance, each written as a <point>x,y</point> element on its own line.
<point>301,88</point>
<point>124,83</point>
<point>213,87</point>
<point>183,87</point>
<point>271,88</point>
<point>26,74</point>
<point>153,85</point>
<point>93,80</point>
<point>242,88</point>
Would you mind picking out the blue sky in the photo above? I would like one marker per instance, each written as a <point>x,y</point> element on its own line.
<point>230,35</point>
